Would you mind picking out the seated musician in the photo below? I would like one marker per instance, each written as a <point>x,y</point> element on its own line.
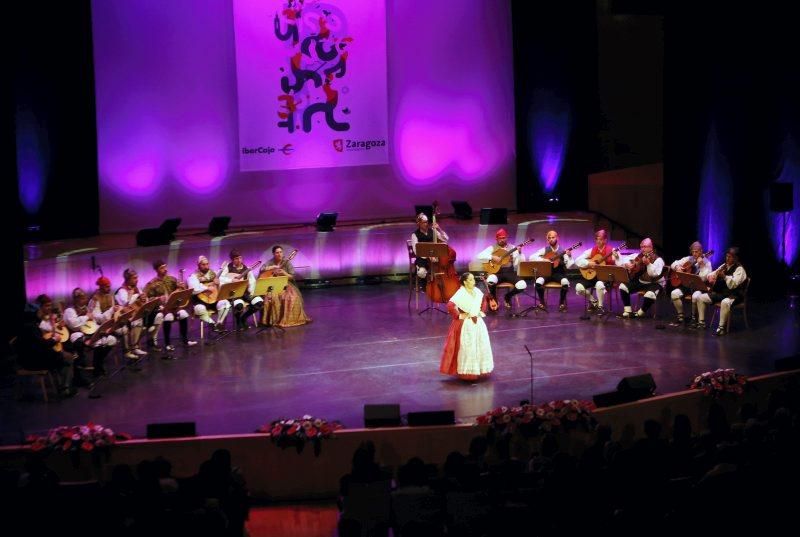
<point>285,307</point>
<point>694,263</point>
<point>81,324</point>
<point>559,273</point>
<point>53,328</point>
<point>600,254</point>
<point>129,297</point>
<point>204,281</point>
<point>424,233</point>
<point>247,305</point>
<point>726,288</point>
<point>162,285</point>
<point>508,271</point>
<point>36,345</point>
<point>645,271</point>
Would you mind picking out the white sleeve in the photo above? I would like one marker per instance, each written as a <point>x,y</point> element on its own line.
<point>705,269</point>
<point>486,254</point>
<point>737,278</point>
<point>73,320</point>
<point>441,235</point>
<point>516,257</point>
<point>251,282</point>
<point>678,262</point>
<point>655,268</point>
<point>414,241</point>
<point>224,275</point>
<point>622,259</point>
<point>582,261</point>
<point>538,255</point>
<point>196,286</point>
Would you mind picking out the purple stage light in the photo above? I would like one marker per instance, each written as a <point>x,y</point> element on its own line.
<point>32,161</point>
<point>549,121</point>
<point>786,240</point>
<point>715,203</point>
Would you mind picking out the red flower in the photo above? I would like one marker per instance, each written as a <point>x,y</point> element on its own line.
<point>87,446</point>
<point>292,429</point>
<point>311,432</point>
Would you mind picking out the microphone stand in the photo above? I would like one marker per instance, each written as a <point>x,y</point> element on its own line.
<point>531,355</point>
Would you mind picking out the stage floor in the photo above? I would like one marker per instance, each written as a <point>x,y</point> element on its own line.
<point>365,347</point>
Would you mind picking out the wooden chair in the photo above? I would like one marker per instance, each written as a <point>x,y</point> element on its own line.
<point>508,286</point>
<point>40,377</point>
<point>551,286</point>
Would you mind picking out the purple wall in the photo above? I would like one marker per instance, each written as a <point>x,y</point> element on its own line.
<point>167,132</point>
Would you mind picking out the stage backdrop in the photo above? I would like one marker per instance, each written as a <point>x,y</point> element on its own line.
<point>311,83</point>
<point>168,101</point>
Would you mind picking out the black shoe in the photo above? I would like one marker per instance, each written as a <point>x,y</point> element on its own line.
<point>720,331</point>
<point>541,307</point>
<point>507,303</point>
<point>678,321</point>
<point>562,308</point>
<point>218,327</point>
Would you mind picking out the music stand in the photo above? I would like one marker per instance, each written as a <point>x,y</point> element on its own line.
<point>533,269</point>
<point>102,331</point>
<point>269,287</point>
<point>692,281</point>
<point>177,300</point>
<point>146,309</point>
<point>231,291</point>
<point>427,250</point>
<point>612,274</point>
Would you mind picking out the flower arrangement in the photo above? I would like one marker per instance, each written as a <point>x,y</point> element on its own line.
<point>296,432</point>
<point>76,438</point>
<point>719,381</point>
<point>531,419</point>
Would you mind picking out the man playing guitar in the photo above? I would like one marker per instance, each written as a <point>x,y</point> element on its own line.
<point>508,267</point>
<point>726,287</point>
<point>562,260</point>
<point>600,254</point>
<point>161,286</point>
<point>129,297</point>
<point>81,323</point>
<point>205,286</point>
<point>247,305</point>
<point>645,270</point>
<point>696,263</point>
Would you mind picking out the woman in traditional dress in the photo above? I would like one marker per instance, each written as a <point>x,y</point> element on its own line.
<point>287,308</point>
<point>467,350</point>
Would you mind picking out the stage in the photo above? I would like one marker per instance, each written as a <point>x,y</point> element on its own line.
<point>365,346</point>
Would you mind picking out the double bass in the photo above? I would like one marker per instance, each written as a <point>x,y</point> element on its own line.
<point>444,280</point>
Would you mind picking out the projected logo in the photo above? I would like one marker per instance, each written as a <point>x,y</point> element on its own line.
<point>338,145</point>
<point>317,62</point>
<point>287,149</point>
<point>341,145</point>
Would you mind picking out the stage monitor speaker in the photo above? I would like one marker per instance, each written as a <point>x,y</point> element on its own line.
<point>326,222</point>
<point>494,216</point>
<point>781,197</point>
<point>152,237</point>
<point>789,363</point>
<point>640,385</point>
<point>171,430</point>
<point>461,210</point>
<point>436,417</point>
<point>218,226</point>
<point>382,415</point>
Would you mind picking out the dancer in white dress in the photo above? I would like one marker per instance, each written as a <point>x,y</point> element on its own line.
<point>467,351</point>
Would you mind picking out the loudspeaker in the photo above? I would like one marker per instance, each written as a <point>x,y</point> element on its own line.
<point>171,430</point>
<point>641,385</point>
<point>382,415</point>
<point>789,363</point>
<point>781,197</point>
<point>494,216</point>
<point>613,398</point>
<point>152,237</point>
<point>436,417</point>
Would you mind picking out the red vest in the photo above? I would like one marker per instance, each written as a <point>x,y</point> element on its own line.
<point>605,252</point>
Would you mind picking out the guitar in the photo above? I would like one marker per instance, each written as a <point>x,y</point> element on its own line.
<point>89,327</point>
<point>57,328</point>
<point>637,265</point>
<point>492,301</point>
<point>556,257</point>
<point>686,267</point>
<point>590,273</point>
<point>491,267</point>
<point>268,272</point>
